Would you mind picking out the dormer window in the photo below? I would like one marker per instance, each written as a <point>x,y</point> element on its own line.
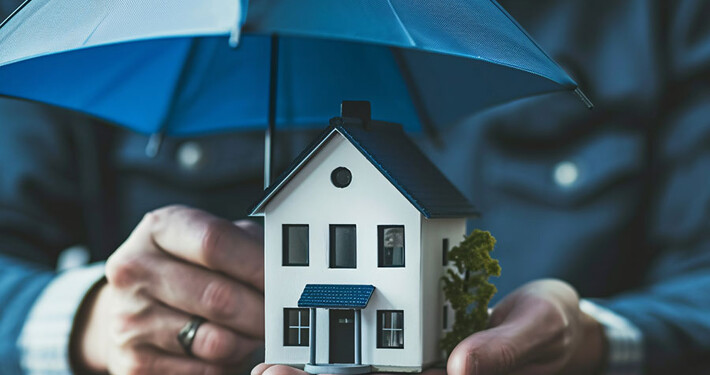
<point>390,240</point>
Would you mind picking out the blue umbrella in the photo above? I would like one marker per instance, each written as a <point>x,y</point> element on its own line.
<point>139,64</point>
<point>170,66</point>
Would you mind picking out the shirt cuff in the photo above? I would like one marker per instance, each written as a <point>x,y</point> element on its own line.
<point>625,340</point>
<point>44,341</point>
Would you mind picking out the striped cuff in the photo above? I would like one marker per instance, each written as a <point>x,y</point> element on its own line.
<point>625,340</point>
<point>44,341</point>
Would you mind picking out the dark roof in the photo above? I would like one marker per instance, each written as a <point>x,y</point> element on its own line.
<point>334,296</point>
<point>396,156</point>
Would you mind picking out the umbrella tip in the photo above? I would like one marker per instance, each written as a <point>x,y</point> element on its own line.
<point>234,38</point>
<point>583,97</point>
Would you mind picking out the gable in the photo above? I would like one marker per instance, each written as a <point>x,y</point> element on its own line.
<point>310,191</point>
<point>397,158</point>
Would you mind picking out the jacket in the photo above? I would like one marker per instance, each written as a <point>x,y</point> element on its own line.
<point>614,201</point>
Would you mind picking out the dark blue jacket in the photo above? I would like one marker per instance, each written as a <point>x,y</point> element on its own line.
<point>615,201</point>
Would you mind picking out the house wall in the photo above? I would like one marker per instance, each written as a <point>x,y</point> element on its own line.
<point>433,233</point>
<point>370,200</point>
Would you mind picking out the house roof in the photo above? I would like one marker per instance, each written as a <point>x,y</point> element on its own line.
<point>336,296</point>
<point>396,156</point>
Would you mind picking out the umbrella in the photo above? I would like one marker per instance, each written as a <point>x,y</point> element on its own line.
<point>198,66</point>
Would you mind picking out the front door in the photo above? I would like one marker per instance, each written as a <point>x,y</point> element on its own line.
<point>342,336</point>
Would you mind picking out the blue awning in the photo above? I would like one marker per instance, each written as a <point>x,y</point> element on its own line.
<point>334,296</point>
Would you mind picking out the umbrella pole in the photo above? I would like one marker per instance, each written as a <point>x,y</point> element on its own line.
<point>270,134</point>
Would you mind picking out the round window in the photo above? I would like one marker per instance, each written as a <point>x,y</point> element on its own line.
<point>341,177</point>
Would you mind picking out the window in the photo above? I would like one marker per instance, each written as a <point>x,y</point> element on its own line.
<point>295,245</point>
<point>445,316</point>
<point>445,252</point>
<point>296,327</point>
<point>390,240</point>
<point>390,329</point>
<point>343,246</point>
<point>341,177</point>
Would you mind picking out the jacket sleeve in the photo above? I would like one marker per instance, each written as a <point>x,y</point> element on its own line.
<point>673,309</point>
<point>40,212</point>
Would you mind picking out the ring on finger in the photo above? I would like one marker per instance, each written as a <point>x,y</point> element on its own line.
<point>188,332</point>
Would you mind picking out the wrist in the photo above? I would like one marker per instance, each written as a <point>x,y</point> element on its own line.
<point>590,355</point>
<point>89,339</point>
<point>624,340</point>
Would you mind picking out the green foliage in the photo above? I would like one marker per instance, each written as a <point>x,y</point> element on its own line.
<point>467,288</point>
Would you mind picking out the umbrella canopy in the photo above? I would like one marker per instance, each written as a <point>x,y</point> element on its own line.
<point>168,65</point>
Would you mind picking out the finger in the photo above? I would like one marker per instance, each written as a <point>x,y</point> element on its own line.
<point>499,313</point>
<point>260,368</point>
<point>197,291</point>
<point>252,228</point>
<point>281,370</point>
<point>191,289</point>
<point>484,353</point>
<point>525,329</point>
<point>212,342</point>
<point>212,242</point>
<point>537,369</point>
<point>146,360</point>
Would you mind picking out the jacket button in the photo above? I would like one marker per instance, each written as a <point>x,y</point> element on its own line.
<point>566,174</point>
<point>190,155</point>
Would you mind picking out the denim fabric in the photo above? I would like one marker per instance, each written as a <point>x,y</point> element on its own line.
<point>614,201</point>
<point>632,227</point>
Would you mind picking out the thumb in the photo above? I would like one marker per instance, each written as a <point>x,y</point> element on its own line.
<point>489,352</point>
<point>252,228</point>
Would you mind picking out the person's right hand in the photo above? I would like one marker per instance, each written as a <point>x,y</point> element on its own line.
<point>178,262</point>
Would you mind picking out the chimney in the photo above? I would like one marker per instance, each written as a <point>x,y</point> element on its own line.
<point>359,109</point>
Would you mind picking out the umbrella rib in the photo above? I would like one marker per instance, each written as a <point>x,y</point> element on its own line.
<point>401,24</point>
<point>98,24</point>
<point>14,13</point>
<point>534,42</point>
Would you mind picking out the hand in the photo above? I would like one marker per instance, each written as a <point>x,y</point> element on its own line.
<point>265,369</point>
<point>536,330</point>
<point>178,262</point>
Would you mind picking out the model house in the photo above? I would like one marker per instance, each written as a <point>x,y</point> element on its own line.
<point>356,239</point>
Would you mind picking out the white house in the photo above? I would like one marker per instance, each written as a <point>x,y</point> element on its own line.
<point>356,235</point>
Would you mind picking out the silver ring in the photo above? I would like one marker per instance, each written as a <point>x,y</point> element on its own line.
<point>187,334</point>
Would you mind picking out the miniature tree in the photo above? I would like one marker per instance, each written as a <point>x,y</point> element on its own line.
<point>467,287</point>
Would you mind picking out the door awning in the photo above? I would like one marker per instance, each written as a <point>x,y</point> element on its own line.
<point>336,296</point>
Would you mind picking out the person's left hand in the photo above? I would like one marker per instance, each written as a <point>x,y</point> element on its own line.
<point>536,330</point>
